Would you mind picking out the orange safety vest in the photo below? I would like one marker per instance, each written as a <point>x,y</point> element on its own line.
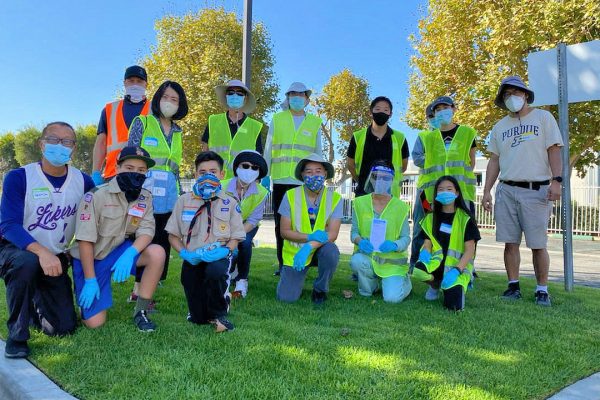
<point>117,134</point>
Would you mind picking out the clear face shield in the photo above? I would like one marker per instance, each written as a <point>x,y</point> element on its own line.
<point>380,180</point>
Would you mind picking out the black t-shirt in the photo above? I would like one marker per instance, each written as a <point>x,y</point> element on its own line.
<point>449,135</point>
<point>233,127</point>
<point>375,149</point>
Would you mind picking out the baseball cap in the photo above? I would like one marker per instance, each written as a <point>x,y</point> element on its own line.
<point>137,71</point>
<point>137,153</point>
<point>442,100</point>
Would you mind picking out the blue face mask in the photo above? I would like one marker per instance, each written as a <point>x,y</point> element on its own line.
<point>57,154</point>
<point>444,116</point>
<point>235,101</point>
<point>314,183</point>
<point>297,103</point>
<point>434,123</point>
<point>446,198</point>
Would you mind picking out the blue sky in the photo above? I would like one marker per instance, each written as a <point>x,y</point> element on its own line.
<point>63,60</point>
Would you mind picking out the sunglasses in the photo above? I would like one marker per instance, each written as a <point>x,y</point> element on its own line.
<point>248,165</point>
<point>238,92</point>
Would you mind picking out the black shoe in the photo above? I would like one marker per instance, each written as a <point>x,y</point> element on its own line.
<point>354,277</point>
<point>542,299</point>
<point>16,349</point>
<point>222,324</point>
<point>143,323</point>
<point>277,273</point>
<point>318,297</point>
<point>512,293</point>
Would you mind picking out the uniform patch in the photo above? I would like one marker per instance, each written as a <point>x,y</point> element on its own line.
<point>136,212</point>
<point>238,208</point>
<point>142,197</point>
<point>88,197</point>
<point>135,221</point>
<point>226,201</point>
<point>141,205</point>
<point>224,209</point>
<point>223,227</point>
<point>84,217</point>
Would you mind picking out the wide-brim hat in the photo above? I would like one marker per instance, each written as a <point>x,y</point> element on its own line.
<point>249,102</point>
<point>314,157</point>
<point>136,152</point>
<point>298,87</point>
<point>253,157</point>
<point>514,81</point>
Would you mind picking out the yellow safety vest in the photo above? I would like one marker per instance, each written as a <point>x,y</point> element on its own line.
<point>248,203</point>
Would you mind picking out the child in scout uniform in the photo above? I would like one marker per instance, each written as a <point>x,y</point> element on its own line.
<point>449,236</point>
<point>249,168</point>
<point>108,218</point>
<point>381,235</point>
<point>205,228</point>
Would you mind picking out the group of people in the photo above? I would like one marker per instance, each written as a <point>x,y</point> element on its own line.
<point>126,217</point>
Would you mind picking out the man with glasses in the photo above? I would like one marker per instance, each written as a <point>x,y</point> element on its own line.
<point>230,132</point>
<point>37,222</point>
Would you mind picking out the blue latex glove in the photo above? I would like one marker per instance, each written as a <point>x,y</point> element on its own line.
<point>190,256</point>
<point>388,246</point>
<point>122,268</point>
<point>266,182</point>
<point>215,254</point>
<point>425,256</point>
<point>90,291</point>
<point>318,236</point>
<point>365,246</point>
<point>301,257</point>
<point>97,178</point>
<point>450,278</point>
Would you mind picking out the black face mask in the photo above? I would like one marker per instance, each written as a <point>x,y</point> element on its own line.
<point>380,118</point>
<point>131,184</point>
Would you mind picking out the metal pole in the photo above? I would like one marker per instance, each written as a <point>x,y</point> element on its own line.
<point>247,46</point>
<point>563,121</point>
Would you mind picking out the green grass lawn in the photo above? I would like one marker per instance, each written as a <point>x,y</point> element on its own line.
<point>413,350</point>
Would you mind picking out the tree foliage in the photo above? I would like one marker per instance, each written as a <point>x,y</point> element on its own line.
<point>344,107</point>
<point>27,145</point>
<point>82,157</point>
<point>7,153</point>
<point>466,47</point>
<point>202,50</point>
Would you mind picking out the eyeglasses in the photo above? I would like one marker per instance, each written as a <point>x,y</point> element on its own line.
<point>55,140</point>
<point>238,92</point>
<point>248,165</point>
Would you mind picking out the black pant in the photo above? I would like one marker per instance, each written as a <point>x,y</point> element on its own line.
<point>34,298</point>
<point>161,238</point>
<point>205,286</point>
<point>454,298</point>
<point>277,196</point>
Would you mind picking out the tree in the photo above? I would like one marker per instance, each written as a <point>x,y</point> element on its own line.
<point>7,153</point>
<point>466,55</point>
<point>202,50</point>
<point>344,106</point>
<point>82,158</point>
<point>27,147</point>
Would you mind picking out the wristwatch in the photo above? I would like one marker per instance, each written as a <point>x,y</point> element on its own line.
<point>558,179</point>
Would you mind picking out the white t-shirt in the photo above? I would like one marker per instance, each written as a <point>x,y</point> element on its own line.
<point>522,145</point>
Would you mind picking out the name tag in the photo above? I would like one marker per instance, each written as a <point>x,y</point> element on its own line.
<point>306,133</point>
<point>242,130</point>
<point>158,191</point>
<point>446,228</point>
<point>151,142</point>
<point>187,215</point>
<point>136,211</point>
<point>160,175</point>
<point>41,193</point>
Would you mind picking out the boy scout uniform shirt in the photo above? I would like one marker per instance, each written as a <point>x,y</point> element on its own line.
<point>106,219</point>
<point>226,220</point>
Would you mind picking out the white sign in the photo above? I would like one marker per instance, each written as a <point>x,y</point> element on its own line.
<point>583,74</point>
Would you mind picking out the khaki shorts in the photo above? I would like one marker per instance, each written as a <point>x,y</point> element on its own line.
<point>518,210</point>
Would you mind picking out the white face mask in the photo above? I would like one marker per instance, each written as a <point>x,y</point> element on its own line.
<point>168,109</point>
<point>514,103</point>
<point>136,93</point>
<point>247,175</point>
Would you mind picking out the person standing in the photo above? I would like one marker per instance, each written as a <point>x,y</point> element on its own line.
<point>525,149</point>
<point>37,222</point>
<point>293,135</point>
<point>230,132</point>
<point>115,119</point>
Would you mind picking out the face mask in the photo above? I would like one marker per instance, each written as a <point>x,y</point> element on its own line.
<point>57,154</point>
<point>131,184</point>
<point>514,103</point>
<point>297,103</point>
<point>380,118</point>
<point>207,186</point>
<point>136,93</point>
<point>446,198</point>
<point>235,101</point>
<point>314,183</point>
<point>382,186</point>
<point>168,109</point>
<point>444,117</point>
<point>247,175</point>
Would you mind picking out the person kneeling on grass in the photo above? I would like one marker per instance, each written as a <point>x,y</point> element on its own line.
<point>449,237</point>
<point>311,216</point>
<point>389,216</point>
<point>205,228</point>
<point>108,217</point>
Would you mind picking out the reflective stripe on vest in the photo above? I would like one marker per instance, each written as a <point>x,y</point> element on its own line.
<point>456,161</point>
<point>395,214</point>
<point>248,203</point>
<point>220,141</point>
<point>301,221</point>
<point>289,145</point>
<point>360,137</point>
<point>117,134</point>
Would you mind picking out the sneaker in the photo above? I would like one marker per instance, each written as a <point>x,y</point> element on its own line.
<point>318,297</point>
<point>432,294</point>
<point>189,317</point>
<point>143,323</point>
<point>512,293</point>
<point>542,298</point>
<point>277,272</point>
<point>241,288</point>
<point>354,277</point>
<point>132,298</point>
<point>222,324</point>
<point>16,349</point>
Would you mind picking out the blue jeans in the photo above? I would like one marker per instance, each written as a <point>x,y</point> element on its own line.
<point>394,288</point>
<point>242,261</point>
